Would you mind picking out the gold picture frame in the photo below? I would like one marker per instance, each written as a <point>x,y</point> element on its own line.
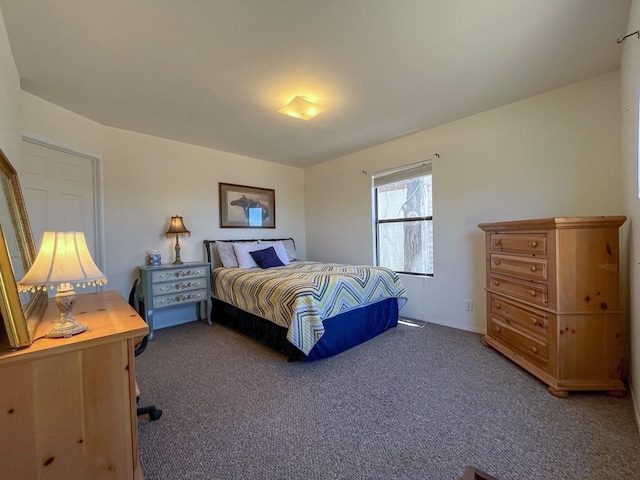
<point>20,311</point>
<point>246,207</point>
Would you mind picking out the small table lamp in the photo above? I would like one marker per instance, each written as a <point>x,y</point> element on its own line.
<point>178,229</point>
<point>63,259</point>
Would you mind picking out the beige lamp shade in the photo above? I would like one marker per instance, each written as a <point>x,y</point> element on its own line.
<point>301,108</point>
<point>63,261</point>
<point>63,258</point>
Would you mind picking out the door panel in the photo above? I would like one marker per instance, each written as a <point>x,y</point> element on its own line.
<point>59,192</point>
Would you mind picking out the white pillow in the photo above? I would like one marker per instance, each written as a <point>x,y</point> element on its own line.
<point>245,260</point>
<point>278,246</point>
<point>227,254</point>
<point>290,247</point>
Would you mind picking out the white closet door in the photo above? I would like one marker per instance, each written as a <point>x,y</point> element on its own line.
<point>59,188</point>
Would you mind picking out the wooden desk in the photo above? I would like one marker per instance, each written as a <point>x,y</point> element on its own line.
<point>67,405</point>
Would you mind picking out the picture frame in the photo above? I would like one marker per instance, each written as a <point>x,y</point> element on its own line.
<point>242,206</point>
<point>21,312</point>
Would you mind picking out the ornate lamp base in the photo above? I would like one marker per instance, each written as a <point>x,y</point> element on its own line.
<point>67,326</point>
<point>178,260</point>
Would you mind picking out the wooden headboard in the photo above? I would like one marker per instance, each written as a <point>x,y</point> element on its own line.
<point>212,253</point>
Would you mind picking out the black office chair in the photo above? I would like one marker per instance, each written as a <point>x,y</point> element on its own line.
<point>138,305</point>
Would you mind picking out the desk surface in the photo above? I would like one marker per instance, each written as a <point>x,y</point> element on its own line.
<point>109,318</point>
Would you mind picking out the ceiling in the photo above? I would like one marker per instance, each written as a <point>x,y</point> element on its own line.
<point>215,72</point>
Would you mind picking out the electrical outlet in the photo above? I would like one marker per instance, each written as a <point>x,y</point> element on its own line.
<point>468,305</point>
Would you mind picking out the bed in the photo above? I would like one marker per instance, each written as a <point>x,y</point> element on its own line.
<point>305,310</point>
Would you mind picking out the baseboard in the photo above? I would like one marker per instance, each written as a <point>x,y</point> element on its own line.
<point>171,323</point>
<point>636,407</point>
<point>170,317</point>
<point>482,330</point>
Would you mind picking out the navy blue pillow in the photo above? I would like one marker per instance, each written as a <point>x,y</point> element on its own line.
<point>267,258</point>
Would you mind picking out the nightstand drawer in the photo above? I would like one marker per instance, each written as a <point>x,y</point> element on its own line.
<point>534,350</point>
<point>178,274</point>
<point>516,315</point>
<point>179,298</point>
<point>183,286</point>
<point>519,243</point>
<point>531,292</point>
<point>526,267</point>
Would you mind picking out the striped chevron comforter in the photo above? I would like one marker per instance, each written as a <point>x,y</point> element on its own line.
<point>299,296</point>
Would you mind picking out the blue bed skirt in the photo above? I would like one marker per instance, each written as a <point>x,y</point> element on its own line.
<point>342,332</point>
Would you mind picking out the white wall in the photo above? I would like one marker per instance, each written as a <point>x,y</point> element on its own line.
<point>630,75</point>
<point>146,180</point>
<point>10,111</point>
<point>556,154</point>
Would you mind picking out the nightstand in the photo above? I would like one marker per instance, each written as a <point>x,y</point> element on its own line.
<point>170,285</point>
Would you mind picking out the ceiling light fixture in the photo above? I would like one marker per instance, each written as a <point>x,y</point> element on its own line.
<point>301,108</point>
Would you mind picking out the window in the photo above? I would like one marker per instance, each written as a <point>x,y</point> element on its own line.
<point>404,219</point>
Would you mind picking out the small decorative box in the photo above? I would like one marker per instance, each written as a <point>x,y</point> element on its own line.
<point>155,259</point>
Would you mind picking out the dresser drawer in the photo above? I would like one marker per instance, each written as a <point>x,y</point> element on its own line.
<point>526,267</point>
<point>535,243</point>
<point>535,293</point>
<point>534,350</point>
<point>180,298</point>
<point>533,321</point>
<point>182,286</point>
<point>178,274</point>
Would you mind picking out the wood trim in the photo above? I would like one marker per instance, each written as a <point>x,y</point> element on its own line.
<point>555,223</point>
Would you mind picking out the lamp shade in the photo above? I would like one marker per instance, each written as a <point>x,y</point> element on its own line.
<point>301,108</point>
<point>63,258</point>
<point>177,228</point>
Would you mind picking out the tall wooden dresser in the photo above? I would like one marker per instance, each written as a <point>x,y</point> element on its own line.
<point>553,301</point>
<point>67,405</point>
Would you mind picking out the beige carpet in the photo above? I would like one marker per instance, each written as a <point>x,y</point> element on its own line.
<point>413,403</point>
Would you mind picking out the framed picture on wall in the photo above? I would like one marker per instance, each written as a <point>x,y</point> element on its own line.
<point>247,207</point>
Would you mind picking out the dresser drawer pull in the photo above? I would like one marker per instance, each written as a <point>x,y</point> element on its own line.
<point>496,282</point>
<point>534,320</point>
<point>498,243</point>
<point>533,243</point>
<point>497,328</point>
<point>532,293</point>
<point>496,262</point>
<point>533,268</point>
<point>498,306</point>
<point>533,349</point>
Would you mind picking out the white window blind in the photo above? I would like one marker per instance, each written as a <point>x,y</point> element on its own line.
<point>402,173</point>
